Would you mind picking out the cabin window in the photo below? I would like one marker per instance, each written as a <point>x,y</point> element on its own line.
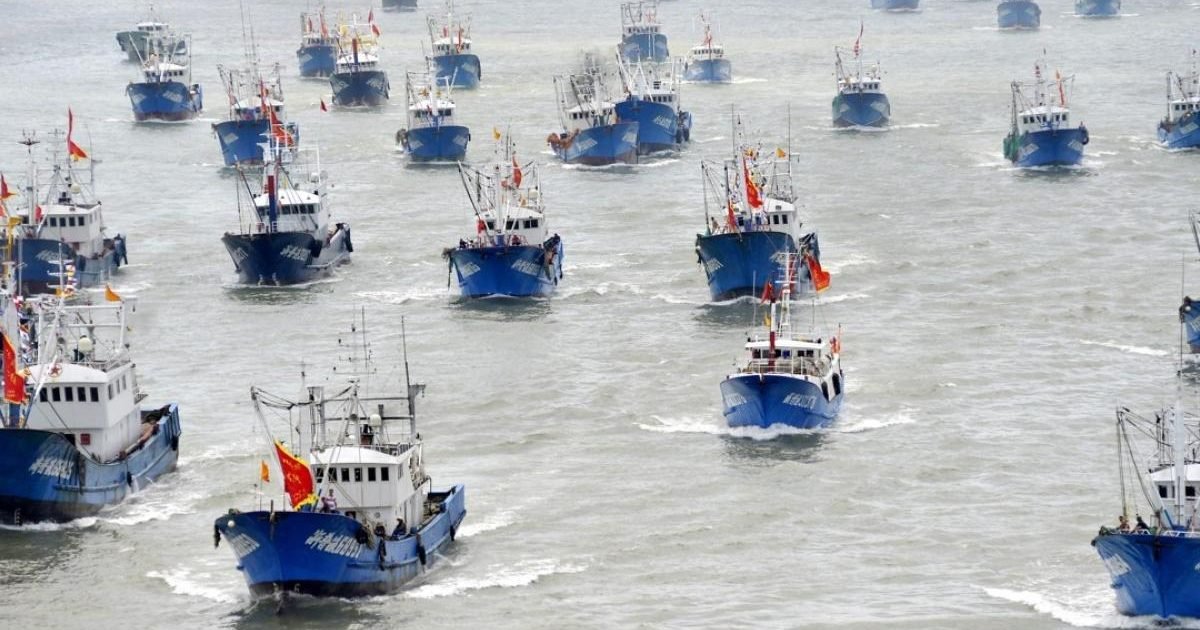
<point>383,473</point>
<point>357,475</point>
<point>43,396</point>
<point>785,219</point>
<point>1162,492</point>
<point>346,474</point>
<point>54,394</point>
<point>80,394</point>
<point>371,474</point>
<point>110,391</point>
<point>69,394</point>
<point>508,225</point>
<point>319,473</point>
<point>533,223</point>
<point>1190,492</point>
<point>124,383</point>
<point>775,219</point>
<point>491,225</point>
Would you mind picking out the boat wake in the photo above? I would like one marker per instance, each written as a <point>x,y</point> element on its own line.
<point>707,427</point>
<point>415,294</point>
<point>515,575</point>
<point>203,585</point>
<point>79,523</point>
<point>853,260</point>
<point>1150,352</point>
<point>154,503</point>
<point>1097,612</point>
<point>844,298</point>
<point>491,522</point>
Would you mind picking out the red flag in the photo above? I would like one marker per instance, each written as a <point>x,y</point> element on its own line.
<point>480,226</point>
<point>820,277</point>
<point>375,29</point>
<point>730,219</point>
<point>73,149</point>
<point>310,28</point>
<point>14,381</point>
<point>1062,97</point>
<point>768,294</point>
<point>516,178</point>
<point>297,477</point>
<point>324,29</point>
<point>37,214</point>
<point>858,41</point>
<point>5,193</point>
<point>323,108</point>
<point>751,190</point>
<point>370,15</point>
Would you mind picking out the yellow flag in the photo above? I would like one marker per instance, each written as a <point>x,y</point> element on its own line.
<point>780,153</point>
<point>767,320</point>
<point>265,473</point>
<point>495,133</point>
<point>111,295</point>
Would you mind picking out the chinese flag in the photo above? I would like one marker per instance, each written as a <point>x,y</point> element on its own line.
<point>73,150</point>
<point>5,192</point>
<point>323,108</point>
<point>516,174</point>
<point>768,294</point>
<point>14,382</point>
<point>375,29</point>
<point>729,216</point>
<point>751,190</point>
<point>297,478</point>
<point>264,473</point>
<point>820,277</point>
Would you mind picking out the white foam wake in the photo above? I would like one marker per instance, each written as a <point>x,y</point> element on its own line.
<point>520,574</point>
<point>493,521</point>
<point>708,427</point>
<point>183,582</point>
<point>1089,612</point>
<point>1150,352</point>
<point>79,523</point>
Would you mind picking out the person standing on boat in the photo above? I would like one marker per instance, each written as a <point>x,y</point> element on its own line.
<point>329,503</point>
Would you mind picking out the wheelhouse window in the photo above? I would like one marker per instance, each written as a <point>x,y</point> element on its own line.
<point>371,474</point>
<point>357,475</point>
<point>383,473</point>
<point>346,474</point>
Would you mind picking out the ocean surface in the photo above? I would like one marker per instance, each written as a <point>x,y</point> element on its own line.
<point>993,320</point>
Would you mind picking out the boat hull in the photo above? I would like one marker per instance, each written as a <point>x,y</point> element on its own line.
<point>1151,574</point>
<point>444,143</point>
<point>1181,134</point>
<point>242,140</point>
<point>1189,316</point>
<point>600,146</point>
<point>460,70</point>
<point>645,47</point>
<point>364,88</point>
<point>1098,8</point>
<point>1018,14</point>
<point>737,265</point>
<point>42,262</point>
<point>1049,147</point>
<point>45,478</point>
<point>167,101</point>
<point>761,400</point>
<point>660,128</point>
<point>895,5</point>
<point>318,60</point>
<point>400,5</point>
<point>709,71</point>
<point>514,271</point>
<point>331,555</point>
<point>282,258</point>
<point>861,109</point>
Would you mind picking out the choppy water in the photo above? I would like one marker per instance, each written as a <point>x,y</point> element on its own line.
<point>993,319</point>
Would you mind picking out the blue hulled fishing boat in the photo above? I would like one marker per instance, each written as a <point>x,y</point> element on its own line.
<point>432,134</point>
<point>1098,8</point>
<point>641,34</point>
<point>166,91</point>
<point>895,5</point>
<point>1040,133</point>
<point>318,51</point>
<point>860,101</point>
<point>1189,311</point>
<point>360,517</point>
<point>1180,129</point>
<point>788,377</point>
<point>1018,14</point>
<point>1153,567</point>
<point>399,5</point>
<point>358,80</point>
<point>61,239</point>
<point>285,233</point>
<point>513,253</point>
<point>706,63</point>
<point>149,37</point>
<point>652,101</point>
<point>751,223</point>
<point>453,59</point>
<point>591,133</point>
<point>255,104</point>
<point>75,438</point>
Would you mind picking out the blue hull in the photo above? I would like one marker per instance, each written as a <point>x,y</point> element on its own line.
<point>168,100</point>
<point>600,146</point>
<point>242,140</point>
<point>1019,14</point>
<point>331,555</point>
<point>282,258</point>
<point>740,264</point>
<point>895,5</point>
<point>754,400</point>
<point>462,71</point>
<point>365,88</point>
<point>1051,147</point>
<point>515,271</point>
<point>1152,575</point>
<point>645,47</point>
<point>43,477</point>
<point>1184,134</point>
<point>40,269</point>
<point>1189,316</point>
<point>447,143</point>
<point>317,61</point>
<point>1098,8</point>
<point>659,127</point>
<point>853,109</point>
<point>709,71</point>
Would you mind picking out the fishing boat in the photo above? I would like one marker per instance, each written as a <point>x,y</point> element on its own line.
<point>1041,133</point>
<point>706,62</point>
<point>452,59</point>
<point>151,36</point>
<point>751,222</point>
<point>75,438</point>
<point>641,34</point>
<point>61,238</point>
<point>895,5</point>
<point>591,133</point>
<point>255,105</point>
<point>399,5</point>
<point>513,252</point>
<point>432,135</point>
<point>285,232</point>
<point>1180,128</point>
<point>1018,14</point>
<point>788,377</point>
<point>165,91</point>
<point>360,515</point>
<point>860,101</point>
<point>652,101</point>
<point>358,80</point>
<point>1098,8</point>
<point>318,51</point>
<point>1153,564</point>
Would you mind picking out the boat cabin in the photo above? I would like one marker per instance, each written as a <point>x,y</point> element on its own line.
<point>521,226</point>
<point>1043,117</point>
<point>1164,484</point>
<point>299,211</point>
<point>162,72</point>
<point>798,355</point>
<point>365,61</point>
<point>81,226</point>
<point>430,112</point>
<point>152,27</point>
<point>861,84</point>
<point>314,38</point>
<point>1183,107</point>
<point>251,109</point>
<point>588,116</point>
<point>708,51</point>
<point>641,29</point>
<point>372,483</point>
<point>451,46</point>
